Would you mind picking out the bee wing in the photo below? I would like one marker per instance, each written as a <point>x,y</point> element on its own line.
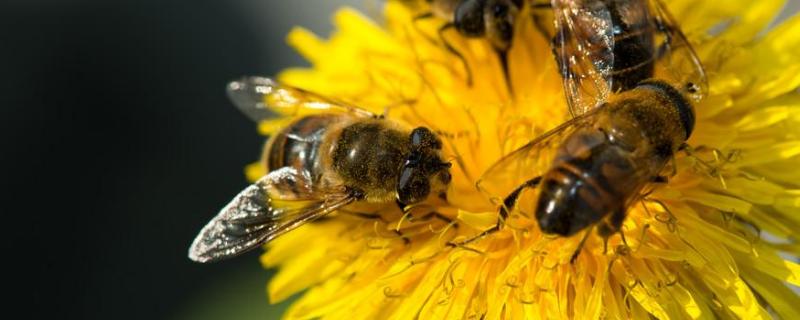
<point>530,160</point>
<point>275,204</point>
<point>677,61</point>
<point>584,49</point>
<point>262,98</point>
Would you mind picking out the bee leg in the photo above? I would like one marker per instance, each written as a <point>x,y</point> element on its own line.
<point>401,206</point>
<point>613,225</point>
<point>508,204</point>
<point>579,247</point>
<point>503,56</point>
<point>511,200</point>
<point>660,179</point>
<point>453,50</point>
<point>475,238</point>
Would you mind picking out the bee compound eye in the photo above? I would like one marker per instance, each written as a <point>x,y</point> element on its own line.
<point>414,189</point>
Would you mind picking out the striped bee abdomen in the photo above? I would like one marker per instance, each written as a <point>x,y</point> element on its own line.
<point>589,179</point>
<point>298,145</point>
<point>634,48</point>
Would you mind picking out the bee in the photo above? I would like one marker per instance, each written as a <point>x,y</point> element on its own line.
<point>489,19</point>
<point>317,164</point>
<point>631,78</point>
<point>492,19</point>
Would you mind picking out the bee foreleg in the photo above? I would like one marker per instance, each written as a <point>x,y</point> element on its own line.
<point>473,239</point>
<point>508,204</point>
<point>455,52</point>
<point>511,200</point>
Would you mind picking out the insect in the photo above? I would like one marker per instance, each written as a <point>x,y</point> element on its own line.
<point>319,163</point>
<point>629,118</point>
<point>608,46</point>
<point>490,19</point>
<point>493,19</point>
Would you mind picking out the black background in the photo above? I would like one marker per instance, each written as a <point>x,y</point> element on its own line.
<point>118,144</point>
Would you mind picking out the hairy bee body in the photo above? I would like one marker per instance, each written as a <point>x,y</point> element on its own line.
<point>600,168</point>
<point>338,149</point>
<point>330,156</point>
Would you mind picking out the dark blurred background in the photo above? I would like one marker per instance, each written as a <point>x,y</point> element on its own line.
<point>118,144</point>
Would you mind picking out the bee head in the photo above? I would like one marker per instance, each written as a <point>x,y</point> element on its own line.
<point>420,166</point>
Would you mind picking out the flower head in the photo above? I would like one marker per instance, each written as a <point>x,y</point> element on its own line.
<point>713,241</point>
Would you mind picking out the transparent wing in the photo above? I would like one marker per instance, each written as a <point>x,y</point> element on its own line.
<point>677,61</point>
<point>583,46</point>
<point>529,161</point>
<point>263,98</point>
<point>277,203</point>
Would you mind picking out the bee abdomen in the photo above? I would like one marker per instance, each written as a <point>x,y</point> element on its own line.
<point>298,145</point>
<point>633,40</point>
<point>571,199</point>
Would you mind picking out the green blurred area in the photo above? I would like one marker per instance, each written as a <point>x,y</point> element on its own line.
<point>241,295</point>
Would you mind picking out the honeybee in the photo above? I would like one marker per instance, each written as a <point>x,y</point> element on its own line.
<point>492,19</point>
<point>489,19</point>
<point>630,77</point>
<point>319,163</point>
<point>608,46</point>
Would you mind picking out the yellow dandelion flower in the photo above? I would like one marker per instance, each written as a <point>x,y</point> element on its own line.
<point>713,242</point>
